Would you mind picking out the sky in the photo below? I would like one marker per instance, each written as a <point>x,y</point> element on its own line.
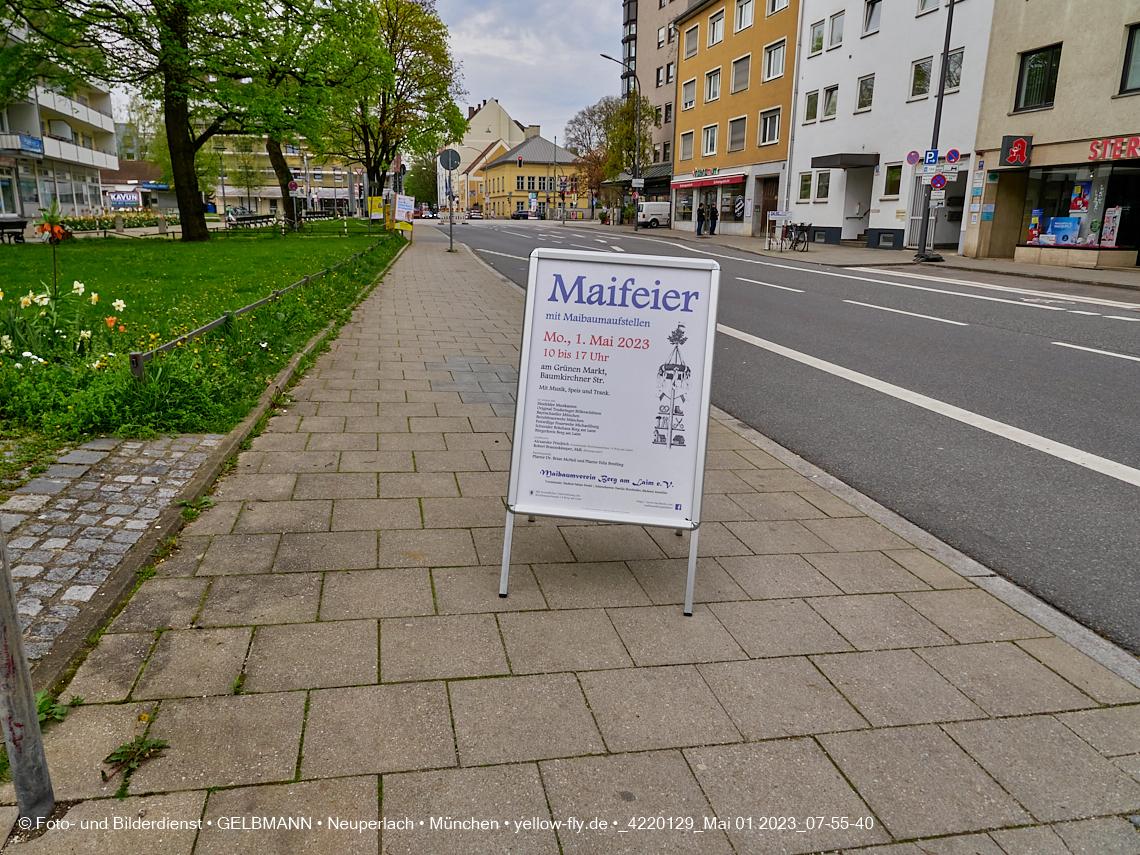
<point>539,58</point>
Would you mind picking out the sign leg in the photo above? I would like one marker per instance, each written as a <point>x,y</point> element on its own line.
<point>508,536</point>
<point>691,582</point>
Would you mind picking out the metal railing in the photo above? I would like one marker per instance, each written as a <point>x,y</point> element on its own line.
<point>139,360</point>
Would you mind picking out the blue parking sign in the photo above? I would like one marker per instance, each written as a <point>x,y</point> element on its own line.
<point>931,157</point>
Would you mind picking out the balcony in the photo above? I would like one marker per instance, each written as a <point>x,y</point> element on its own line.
<point>21,144</point>
<point>58,149</point>
<point>65,106</point>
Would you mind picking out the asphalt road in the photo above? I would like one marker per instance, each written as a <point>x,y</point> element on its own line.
<point>1001,420</point>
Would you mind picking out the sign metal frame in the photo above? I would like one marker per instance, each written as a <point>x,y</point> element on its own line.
<point>517,504</point>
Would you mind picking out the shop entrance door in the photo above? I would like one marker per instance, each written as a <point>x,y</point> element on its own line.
<point>915,221</point>
<point>708,198</point>
<point>7,192</point>
<point>769,200</point>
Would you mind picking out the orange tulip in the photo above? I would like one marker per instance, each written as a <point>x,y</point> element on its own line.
<point>122,329</point>
<point>110,322</point>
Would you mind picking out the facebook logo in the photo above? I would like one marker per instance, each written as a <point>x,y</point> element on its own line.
<point>676,507</point>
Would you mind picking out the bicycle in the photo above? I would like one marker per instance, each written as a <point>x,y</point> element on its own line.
<point>800,233</point>
<point>299,226</point>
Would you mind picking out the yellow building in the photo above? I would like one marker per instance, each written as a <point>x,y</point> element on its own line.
<point>529,178</point>
<point>735,76</point>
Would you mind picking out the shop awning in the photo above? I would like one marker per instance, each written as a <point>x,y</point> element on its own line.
<point>845,161</point>
<point>709,182</point>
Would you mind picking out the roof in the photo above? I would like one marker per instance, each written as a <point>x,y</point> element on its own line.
<point>477,163</point>
<point>535,150</point>
<point>695,6</point>
<point>655,172</point>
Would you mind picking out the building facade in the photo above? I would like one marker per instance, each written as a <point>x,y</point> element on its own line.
<point>1059,137</point>
<point>246,178</point>
<point>488,124</point>
<point>867,83</point>
<point>733,99</point>
<point>529,178</point>
<point>656,46</point>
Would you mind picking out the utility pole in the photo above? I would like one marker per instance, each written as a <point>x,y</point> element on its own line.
<point>924,226</point>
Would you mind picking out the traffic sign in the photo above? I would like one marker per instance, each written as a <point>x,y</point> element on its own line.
<point>638,182</point>
<point>938,182</point>
<point>931,156</point>
<point>937,195</point>
<point>913,158</point>
<point>292,185</point>
<point>953,155</point>
<point>449,158</point>
<point>359,170</point>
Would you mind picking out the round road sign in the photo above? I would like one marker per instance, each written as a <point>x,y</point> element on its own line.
<point>953,155</point>
<point>913,158</point>
<point>449,158</point>
<point>292,185</point>
<point>938,182</point>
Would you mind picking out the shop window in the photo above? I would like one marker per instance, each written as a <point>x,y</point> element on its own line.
<point>1131,80</point>
<point>954,70</point>
<point>815,39</point>
<point>892,181</point>
<point>687,145</point>
<point>774,61</point>
<point>775,6</point>
<point>920,77</point>
<point>708,141</point>
<point>865,93</point>
<point>684,205</point>
<point>837,31</point>
<point>830,101</point>
<point>691,35</point>
<point>871,15</point>
<point>811,106</point>
<point>732,203</point>
<point>1037,80</point>
<point>1082,206</point>
<point>668,113</point>
<point>740,71</point>
<point>805,186</point>
<point>744,13</point>
<point>712,86</point>
<point>736,133</point>
<point>670,69</point>
<point>688,94</point>
<point>822,186</point>
<point>716,28</point>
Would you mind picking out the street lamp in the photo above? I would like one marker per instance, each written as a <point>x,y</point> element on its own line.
<point>637,150</point>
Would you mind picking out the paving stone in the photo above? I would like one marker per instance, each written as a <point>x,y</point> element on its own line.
<point>773,698</point>
<point>261,599</point>
<point>377,729</point>
<point>575,640</point>
<point>1110,731</point>
<point>231,554</point>
<point>417,485</point>
<point>1108,836</point>
<point>45,486</point>
<point>512,719</point>
<point>374,514</point>
<point>610,543</point>
<point>784,777</point>
<point>291,516</point>
<point>932,572</point>
<point>715,540</point>
<point>83,458</point>
<point>312,656</point>
<point>194,662</point>
<point>427,548</point>
<point>24,502</point>
<point>465,590</point>
<point>93,575</point>
<point>433,648</point>
<point>161,603</point>
<point>375,461</point>
<point>777,537</point>
<point>769,480</point>
<point>345,550</point>
<point>1036,840</point>
<point>482,483</point>
<point>225,741</point>
<point>76,746</point>
<point>663,580</point>
<point>289,462</point>
<point>184,560</point>
<point>79,593</point>
<point>777,506</point>
<point>61,574</point>
<point>878,622</point>
<point>465,513</point>
<point>657,783</point>
<point>896,687</point>
<point>778,628</point>
<point>341,442</point>
<point>1047,768</point>
<point>376,594</point>
<point>531,544</point>
<point>44,589</point>
<point>255,487</point>
<point>567,586</point>
<point>663,635</point>
<point>27,570</point>
<point>973,615</point>
<point>865,572</point>
<point>110,669</point>
<point>1089,676</point>
<point>219,519</point>
<point>501,792</point>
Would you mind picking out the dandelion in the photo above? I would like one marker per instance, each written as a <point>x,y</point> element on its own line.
<point>110,322</point>
<point>94,298</point>
<point>119,305</point>
<point>78,288</point>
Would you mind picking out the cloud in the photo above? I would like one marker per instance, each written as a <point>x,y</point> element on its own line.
<point>539,58</point>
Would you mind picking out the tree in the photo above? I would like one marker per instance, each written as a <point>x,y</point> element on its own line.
<point>621,136</point>
<point>586,136</point>
<point>421,182</point>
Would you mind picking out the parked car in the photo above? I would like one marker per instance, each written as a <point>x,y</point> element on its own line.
<point>429,214</point>
<point>653,214</point>
<point>520,215</point>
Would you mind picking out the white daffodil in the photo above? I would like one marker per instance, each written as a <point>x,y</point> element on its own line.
<point>19,365</point>
<point>85,335</point>
<point>94,299</point>
<point>78,288</point>
<point>1,295</point>
<point>5,344</point>
<point>119,305</point>
<point>26,300</point>
<point>42,299</point>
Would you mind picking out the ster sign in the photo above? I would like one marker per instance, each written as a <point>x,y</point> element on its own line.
<point>938,182</point>
<point>913,158</point>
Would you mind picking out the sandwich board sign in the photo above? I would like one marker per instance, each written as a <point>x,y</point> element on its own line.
<point>611,416</point>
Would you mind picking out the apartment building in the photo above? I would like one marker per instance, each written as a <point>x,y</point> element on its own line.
<point>246,178</point>
<point>734,94</point>
<point>1058,173</point>
<point>656,46</point>
<point>529,178</point>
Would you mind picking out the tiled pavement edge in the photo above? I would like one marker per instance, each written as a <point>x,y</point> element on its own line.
<point>328,642</point>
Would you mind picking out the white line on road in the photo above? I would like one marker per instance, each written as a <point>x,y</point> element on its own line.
<point>769,284</point>
<point>1079,312</point>
<point>912,314</point>
<point>1101,352</point>
<point>503,254</point>
<point>1120,318</point>
<point>616,248</point>
<point>1023,437</point>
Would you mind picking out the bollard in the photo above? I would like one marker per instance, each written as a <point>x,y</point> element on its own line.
<point>119,224</point>
<point>34,795</point>
<point>162,224</point>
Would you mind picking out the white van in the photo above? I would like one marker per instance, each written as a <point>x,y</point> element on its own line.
<point>653,214</point>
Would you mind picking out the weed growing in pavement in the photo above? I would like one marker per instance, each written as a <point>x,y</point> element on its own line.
<point>191,510</point>
<point>49,709</point>
<point>128,756</point>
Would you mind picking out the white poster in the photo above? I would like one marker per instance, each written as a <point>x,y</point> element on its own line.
<point>613,402</point>
<point>405,205</point>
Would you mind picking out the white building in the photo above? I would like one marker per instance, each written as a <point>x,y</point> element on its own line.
<point>867,80</point>
<point>487,124</point>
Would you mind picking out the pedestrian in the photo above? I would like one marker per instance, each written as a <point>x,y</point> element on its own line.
<point>700,219</point>
<point>712,219</point>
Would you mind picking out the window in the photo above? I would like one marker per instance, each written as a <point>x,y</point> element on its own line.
<point>770,127</point>
<point>743,14</point>
<point>672,34</point>
<point>954,70</point>
<point>837,30</point>
<point>927,6</point>
<point>920,78</point>
<point>668,113</point>
<point>811,106</point>
<point>815,40</point>
<point>656,153</point>
<point>292,150</point>
<point>805,186</point>
<point>822,185</point>
<point>708,141</point>
<point>660,37</point>
<point>530,182</point>
<point>691,41</point>
<point>775,6</point>
<point>318,175</point>
<point>688,94</point>
<point>712,85</point>
<point>830,101</point>
<point>865,93</point>
<point>871,15</point>
<point>1130,82</point>
<point>687,146</point>
<point>737,133</point>
<point>667,151</point>
<point>518,206</point>
<point>774,61</point>
<point>542,182</point>
<point>660,76</point>
<point>892,181</point>
<point>740,70</point>
<point>1037,82</point>
<point>670,70</point>
<point>716,28</point>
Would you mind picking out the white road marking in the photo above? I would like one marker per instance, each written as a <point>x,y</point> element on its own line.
<point>1101,352</point>
<point>599,240</point>
<point>1120,318</point>
<point>503,254</point>
<point>769,284</point>
<point>912,314</point>
<point>1078,312</point>
<point>581,246</point>
<point>1023,437</point>
<point>616,248</point>
<point>517,234</point>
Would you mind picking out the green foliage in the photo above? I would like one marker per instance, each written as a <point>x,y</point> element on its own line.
<point>621,136</point>
<point>420,183</point>
<point>49,709</point>
<point>128,756</point>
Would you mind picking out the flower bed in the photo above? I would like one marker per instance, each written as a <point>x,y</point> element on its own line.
<point>131,220</point>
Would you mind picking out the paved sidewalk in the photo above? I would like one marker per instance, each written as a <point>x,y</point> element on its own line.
<point>328,643</point>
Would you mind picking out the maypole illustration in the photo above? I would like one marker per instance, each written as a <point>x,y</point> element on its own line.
<point>673,383</point>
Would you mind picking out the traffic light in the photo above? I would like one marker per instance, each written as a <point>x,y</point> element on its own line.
<point>562,195</point>
<point>520,161</point>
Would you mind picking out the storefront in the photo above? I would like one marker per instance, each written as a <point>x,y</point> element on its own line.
<point>725,193</point>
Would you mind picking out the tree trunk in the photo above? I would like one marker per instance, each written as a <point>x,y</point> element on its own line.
<point>179,133</point>
<point>284,176</point>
